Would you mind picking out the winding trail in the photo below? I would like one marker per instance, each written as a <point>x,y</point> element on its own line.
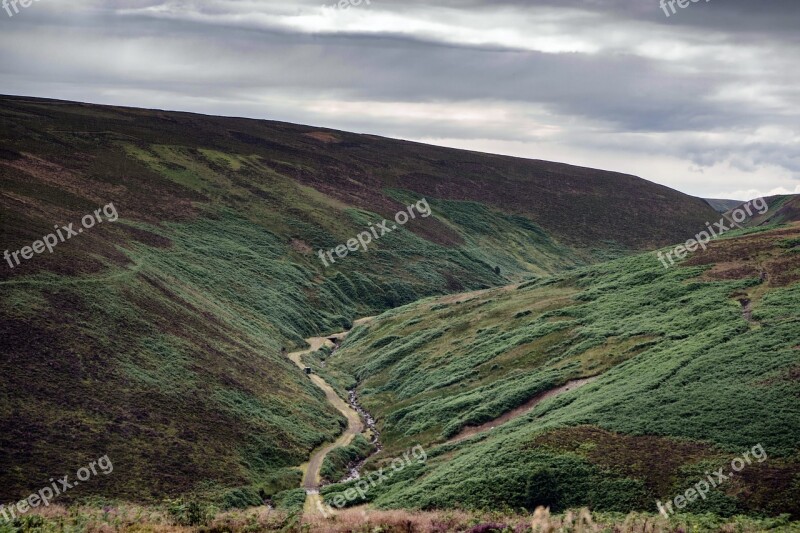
<point>355,424</point>
<point>521,410</point>
<point>311,470</point>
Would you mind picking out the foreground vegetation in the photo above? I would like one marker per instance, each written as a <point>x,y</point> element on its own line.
<point>130,518</point>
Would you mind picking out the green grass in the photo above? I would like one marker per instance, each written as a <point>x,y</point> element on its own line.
<point>677,361</point>
<point>290,500</point>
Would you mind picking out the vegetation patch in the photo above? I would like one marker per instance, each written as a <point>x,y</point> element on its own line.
<point>685,382</point>
<point>336,465</point>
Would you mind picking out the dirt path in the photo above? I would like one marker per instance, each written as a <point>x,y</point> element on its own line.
<point>747,310</point>
<point>521,410</point>
<point>753,295</point>
<point>355,425</point>
<point>464,296</point>
<point>311,470</point>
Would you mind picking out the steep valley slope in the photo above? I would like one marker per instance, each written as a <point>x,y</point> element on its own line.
<point>157,339</point>
<point>694,365</point>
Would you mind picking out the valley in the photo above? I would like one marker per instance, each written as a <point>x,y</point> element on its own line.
<point>525,334</point>
<point>638,338</point>
<point>355,426</point>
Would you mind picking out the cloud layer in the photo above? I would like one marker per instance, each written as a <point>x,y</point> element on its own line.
<point>706,100</point>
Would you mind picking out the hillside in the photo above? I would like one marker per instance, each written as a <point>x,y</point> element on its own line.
<point>692,366</point>
<point>155,337</point>
<point>723,206</point>
<point>782,209</point>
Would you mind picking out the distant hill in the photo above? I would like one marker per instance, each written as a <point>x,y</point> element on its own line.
<point>157,338</point>
<point>723,206</point>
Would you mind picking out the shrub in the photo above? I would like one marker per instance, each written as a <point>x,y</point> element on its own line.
<point>191,512</point>
<point>241,498</point>
<point>291,500</point>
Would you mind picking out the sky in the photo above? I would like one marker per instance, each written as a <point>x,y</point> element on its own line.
<point>705,100</point>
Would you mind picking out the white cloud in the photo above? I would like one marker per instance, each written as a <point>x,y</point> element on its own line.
<point>703,107</point>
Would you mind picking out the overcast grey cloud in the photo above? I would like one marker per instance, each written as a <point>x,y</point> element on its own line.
<point>706,100</point>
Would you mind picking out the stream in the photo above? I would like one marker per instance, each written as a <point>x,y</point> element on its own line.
<point>354,469</point>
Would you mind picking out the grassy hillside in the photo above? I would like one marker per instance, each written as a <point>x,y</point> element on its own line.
<point>782,209</point>
<point>156,338</point>
<point>696,364</point>
<point>195,158</point>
